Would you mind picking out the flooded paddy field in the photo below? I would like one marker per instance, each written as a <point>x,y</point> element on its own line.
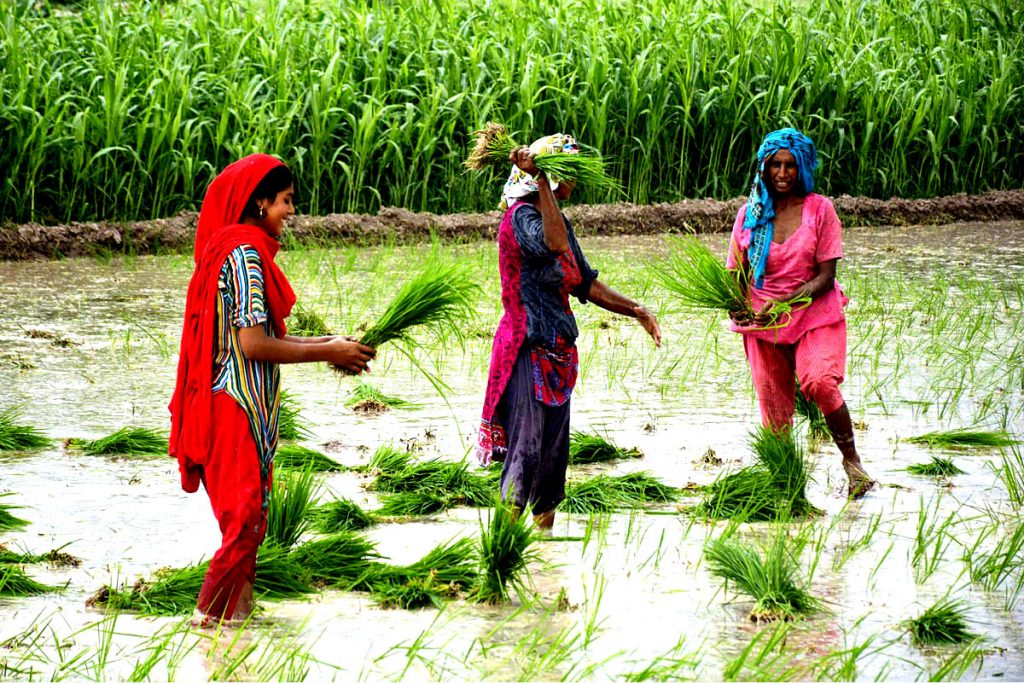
<point>936,326</point>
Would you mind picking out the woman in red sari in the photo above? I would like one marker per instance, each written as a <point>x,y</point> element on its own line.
<point>226,401</point>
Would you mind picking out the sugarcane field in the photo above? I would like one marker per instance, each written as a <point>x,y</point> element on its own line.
<point>485,340</point>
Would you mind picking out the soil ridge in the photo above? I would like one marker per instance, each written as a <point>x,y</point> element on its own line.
<point>176,233</point>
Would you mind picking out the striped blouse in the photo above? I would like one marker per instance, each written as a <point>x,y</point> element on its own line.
<point>255,385</point>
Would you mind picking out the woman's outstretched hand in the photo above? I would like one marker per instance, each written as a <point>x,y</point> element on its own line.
<point>523,158</point>
<point>350,355</point>
<point>650,323</point>
<point>756,319</point>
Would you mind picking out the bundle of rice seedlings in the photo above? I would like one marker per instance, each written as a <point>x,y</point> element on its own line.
<point>771,578</point>
<point>343,559</point>
<point>368,399</point>
<point>593,448</point>
<point>505,541</point>
<point>441,298</point>
<point>418,592</point>
<point>773,488</point>
<point>943,623</point>
<point>127,440</point>
<point>808,410</point>
<point>937,467</point>
<point>340,515</point>
<point>15,436</point>
<point>604,493</point>
<point>964,437</point>
<point>279,575</point>
<point>295,457</point>
<point>403,504</point>
<point>9,521</point>
<point>290,505</point>
<point>14,582</point>
<point>694,273</point>
<point>304,323</point>
<point>53,557</point>
<point>494,145</point>
<point>397,471</point>
<point>454,564</point>
<point>290,424</point>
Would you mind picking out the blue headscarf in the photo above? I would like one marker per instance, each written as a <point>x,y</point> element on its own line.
<point>760,219</point>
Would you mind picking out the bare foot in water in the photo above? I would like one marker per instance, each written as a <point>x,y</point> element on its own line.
<point>860,481</point>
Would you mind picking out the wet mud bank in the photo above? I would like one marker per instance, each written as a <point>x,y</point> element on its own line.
<point>175,234</point>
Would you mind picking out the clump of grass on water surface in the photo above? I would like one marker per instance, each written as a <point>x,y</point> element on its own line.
<point>340,515</point>
<point>494,144</point>
<point>773,488</point>
<point>943,623</point>
<point>9,521</point>
<point>964,437</point>
<point>443,573</point>
<point>505,541</point>
<point>441,298</point>
<point>15,436</point>
<point>593,448</point>
<point>289,509</point>
<point>14,582</point>
<point>342,559</point>
<point>937,467</point>
<point>290,424</point>
<point>604,493</point>
<point>771,577</point>
<point>295,457</point>
<point>421,502</point>
<point>368,399</point>
<point>811,412</point>
<point>304,323</point>
<point>692,272</point>
<point>398,471</point>
<point>127,440</point>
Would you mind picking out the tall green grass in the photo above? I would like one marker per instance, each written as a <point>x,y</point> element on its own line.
<point>129,113</point>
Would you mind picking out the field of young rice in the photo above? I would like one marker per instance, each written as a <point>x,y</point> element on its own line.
<point>127,110</point>
<point>386,562</point>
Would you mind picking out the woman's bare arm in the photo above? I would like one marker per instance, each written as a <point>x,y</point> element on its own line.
<point>258,346</point>
<point>611,300</point>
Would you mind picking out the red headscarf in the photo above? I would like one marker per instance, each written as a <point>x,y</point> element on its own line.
<point>217,235</point>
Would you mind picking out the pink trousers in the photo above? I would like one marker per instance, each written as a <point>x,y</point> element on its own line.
<point>817,359</point>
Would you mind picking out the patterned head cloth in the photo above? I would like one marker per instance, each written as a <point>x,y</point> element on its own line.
<point>520,183</point>
<point>760,219</point>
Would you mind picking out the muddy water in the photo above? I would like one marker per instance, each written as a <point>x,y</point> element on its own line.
<point>638,595</point>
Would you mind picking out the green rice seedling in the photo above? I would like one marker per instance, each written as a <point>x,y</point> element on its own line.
<point>945,622</point>
<point>494,145</point>
<point>771,576</point>
<point>340,515</point>
<point>296,457</point>
<point>765,658</point>
<point>413,503</point>
<point>931,540</point>
<point>342,559</point>
<point>774,487</point>
<point>593,448</point>
<point>290,425</point>
<point>279,575</point>
<point>368,399</point>
<point>442,298</point>
<point>1011,472</point>
<point>505,541</point>
<point>604,493</point>
<point>397,471</point>
<point>454,564</point>
<point>1002,566</point>
<point>937,467</point>
<point>418,592</point>
<point>809,411</point>
<point>695,274</point>
<point>14,582</point>
<point>127,440</point>
<point>15,436</point>
<point>290,505</point>
<point>9,521</point>
<point>304,323</point>
<point>965,438</point>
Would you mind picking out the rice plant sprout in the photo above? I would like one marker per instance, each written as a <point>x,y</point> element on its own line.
<point>770,576</point>
<point>16,436</point>
<point>505,541</point>
<point>963,438</point>
<point>290,424</point>
<point>307,324</point>
<point>937,467</point>
<point>341,515</point>
<point>945,622</point>
<point>593,448</point>
<point>296,457</point>
<point>440,298</point>
<point>289,506</point>
<point>693,273</point>
<point>368,399</point>
<point>127,440</point>
<point>604,493</point>
<point>494,145</point>
<point>14,582</point>
<point>9,521</point>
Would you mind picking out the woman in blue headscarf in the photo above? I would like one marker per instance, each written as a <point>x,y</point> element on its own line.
<point>790,239</point>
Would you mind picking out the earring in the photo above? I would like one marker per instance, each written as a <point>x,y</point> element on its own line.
<point>261,212</point>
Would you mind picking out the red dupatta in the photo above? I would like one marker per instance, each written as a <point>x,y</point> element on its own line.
<point>217,235</point>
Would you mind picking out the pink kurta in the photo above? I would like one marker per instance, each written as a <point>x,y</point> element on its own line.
<point>791,265</point>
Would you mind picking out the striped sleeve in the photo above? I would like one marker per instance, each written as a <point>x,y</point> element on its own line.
<point>242,281</point>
